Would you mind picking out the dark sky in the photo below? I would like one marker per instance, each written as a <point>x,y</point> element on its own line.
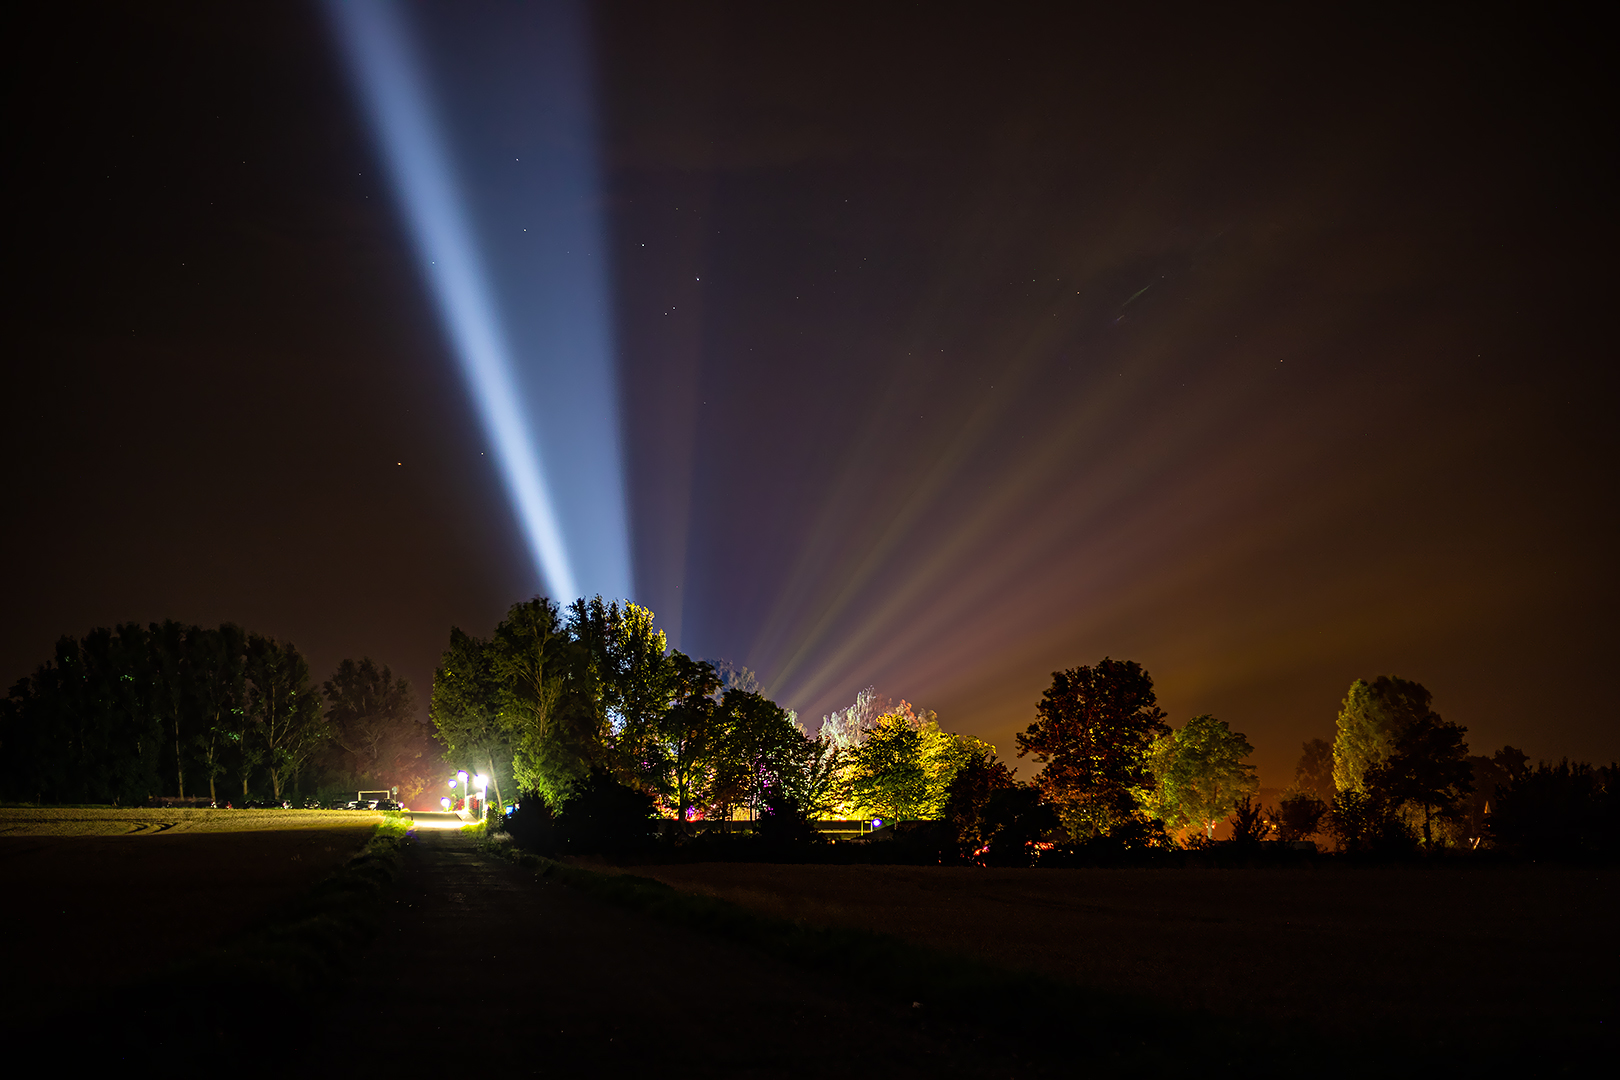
<point>1267,348</point>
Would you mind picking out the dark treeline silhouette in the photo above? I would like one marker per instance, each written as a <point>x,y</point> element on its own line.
<point>222,715</point>
<point>1398,779</point>
<point>587,712</point>
<point>1551,811</point>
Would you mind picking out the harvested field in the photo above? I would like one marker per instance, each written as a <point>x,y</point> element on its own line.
<point>96,897</point>
<point>1423,952</point>
<point>98,821</point>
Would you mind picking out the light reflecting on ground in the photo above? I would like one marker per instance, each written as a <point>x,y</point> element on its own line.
<point>435,819</point>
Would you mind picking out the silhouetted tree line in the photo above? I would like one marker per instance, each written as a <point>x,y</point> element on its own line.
<point>1552,811</point>
<point>1397,778</point>
<point>608,731</point>
<point>124,715</point>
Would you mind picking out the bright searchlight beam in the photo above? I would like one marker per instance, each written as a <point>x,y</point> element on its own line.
<point>512,249</point>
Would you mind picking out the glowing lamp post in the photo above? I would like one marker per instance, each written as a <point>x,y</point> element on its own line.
<point>461,778</point>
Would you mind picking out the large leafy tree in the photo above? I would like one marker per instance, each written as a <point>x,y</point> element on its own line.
<point>219,686</point>
<point>1094,731</point>
<point>968,797</point>
<point>887,770</point>
<point>170,648</point>
<point>760,737</point>
<point>692,735</point>
<point>1201,774</point>
<point>903,768</point>
<point>1371,718</point>
<point>552,731</point>
<point>283,709</point>
<point>639,686</point>
<point>812,775</point>
<point>467,705</point>
<point>116,691</point>
<point>1427,768</point>
<point>1395,752</point>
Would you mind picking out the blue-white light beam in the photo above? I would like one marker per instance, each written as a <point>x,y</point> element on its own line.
<point>561,374</point>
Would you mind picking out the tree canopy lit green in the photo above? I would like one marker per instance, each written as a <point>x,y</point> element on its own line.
<point>562,695</point>
<point>1200,774</point>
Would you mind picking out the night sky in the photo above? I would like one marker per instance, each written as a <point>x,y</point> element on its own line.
<point>1270,349</point>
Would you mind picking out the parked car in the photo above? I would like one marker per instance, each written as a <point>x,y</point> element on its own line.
<point>389,804</point>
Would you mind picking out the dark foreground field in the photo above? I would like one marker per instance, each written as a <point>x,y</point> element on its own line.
<point>1523,957</point>
<point>93,899</point>
<point>433,949</point>
<point>535,978</point>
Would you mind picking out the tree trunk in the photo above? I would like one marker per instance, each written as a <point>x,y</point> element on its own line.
<point>494,779</point>
<point>211,751</point>
<point>179,759</point>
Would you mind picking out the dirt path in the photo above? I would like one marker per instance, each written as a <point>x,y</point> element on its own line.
<point>571,987</point>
